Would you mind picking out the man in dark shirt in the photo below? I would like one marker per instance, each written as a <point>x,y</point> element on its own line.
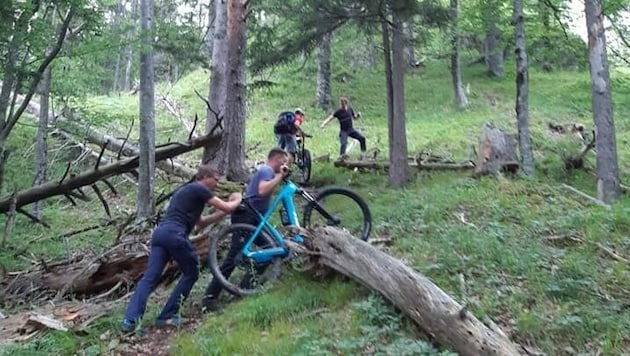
<point>345,115</point>
<point>170,241</point>
<point>258,198</point>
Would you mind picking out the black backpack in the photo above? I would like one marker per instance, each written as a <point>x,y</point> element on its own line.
<point>285,123</point>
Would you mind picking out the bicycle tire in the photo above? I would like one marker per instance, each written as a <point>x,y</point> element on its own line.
<point>305,169</point>
<point>360,229</point>
<point>222,242</point>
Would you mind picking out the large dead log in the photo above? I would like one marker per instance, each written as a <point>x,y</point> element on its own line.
<point>415,295</point>
<point>65,186</point>
<point>497,152</point>
<point>89,276</point>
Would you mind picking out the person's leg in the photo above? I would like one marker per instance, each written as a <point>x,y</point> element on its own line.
<point>157,260</point>
<point>281,142</point>
<point>357,135</point>
<point>184,254</point>
<point>343,142</point>
<point>227,266</point>
<point>291,147</point>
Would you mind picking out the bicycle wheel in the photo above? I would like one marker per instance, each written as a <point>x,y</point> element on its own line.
<point>347,210</point>
<point>305,166</point>
<point>239,274</point>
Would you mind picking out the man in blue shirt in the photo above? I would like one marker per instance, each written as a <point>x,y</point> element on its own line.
<point>258,196</point>
<point>170,241</point>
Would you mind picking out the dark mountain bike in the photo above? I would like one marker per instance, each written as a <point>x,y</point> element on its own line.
<point>303,158</point>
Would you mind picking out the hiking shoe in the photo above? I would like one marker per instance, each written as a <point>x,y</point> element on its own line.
<point>128,327</point>
<point>175,321</point>
<point>211,305</point>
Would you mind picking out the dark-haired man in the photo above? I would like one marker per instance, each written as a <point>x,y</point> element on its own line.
<point>170,241</point>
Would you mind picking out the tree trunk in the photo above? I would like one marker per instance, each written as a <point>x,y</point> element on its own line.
<point>399,165</point>
<point>409,44</point>
<point>387,57</point>
<point>40,140</point>
<point>146,202</point>
<point>235,106</point>
<point>218,85</point>
<point>456,73</point>
<point>608,189</point>
<point>128,55</point>
<point>323,95</point>
<point>493,49</point>
<point>522,91</point>
<point>432,309</point>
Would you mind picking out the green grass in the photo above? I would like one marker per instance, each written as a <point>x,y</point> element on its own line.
<point>502,236</point>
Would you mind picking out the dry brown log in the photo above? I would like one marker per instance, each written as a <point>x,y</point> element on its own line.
<point>432,309</point>
<point>91,176</point>
<point>420,166</point>
<point>90,276</point>
<point>497,152</point>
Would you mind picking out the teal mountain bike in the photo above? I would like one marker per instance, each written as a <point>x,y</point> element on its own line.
<point>262,247</point>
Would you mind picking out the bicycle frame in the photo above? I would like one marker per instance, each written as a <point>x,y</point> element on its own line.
<point>285,197</point>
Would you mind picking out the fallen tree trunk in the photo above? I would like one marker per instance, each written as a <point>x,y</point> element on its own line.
<point>124,148</point>
<point>417,165</point>
<point>109,142</point>
<point>415,295</point>
<point>65,186</point>
<point>89,276</point>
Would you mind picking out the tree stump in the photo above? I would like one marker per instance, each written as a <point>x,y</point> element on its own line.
<point>497,152</point>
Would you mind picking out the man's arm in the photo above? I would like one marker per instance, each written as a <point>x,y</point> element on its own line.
<point>265,187</point>
<point>326,121</point>
<point>226,206</point>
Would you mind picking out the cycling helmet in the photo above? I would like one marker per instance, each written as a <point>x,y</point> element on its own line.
<point>298,111</point>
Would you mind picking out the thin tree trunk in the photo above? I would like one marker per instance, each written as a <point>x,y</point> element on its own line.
<point>409,48</point>
<point>235,106</point>
<point>608,189</point>
<point>493,48</point>
<point>131,34</point>
<point>522,91</point>
<point>40,140</point>
<point>387,56</point>
<point>218,84</point>
<point>456,73</point>
<point>146,203</point>
<point>323,95</point>
<point>399,165</point>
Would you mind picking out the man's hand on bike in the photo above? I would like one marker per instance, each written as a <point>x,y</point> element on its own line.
<point>285,170</point>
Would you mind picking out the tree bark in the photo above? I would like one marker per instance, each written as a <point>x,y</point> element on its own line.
<point>431,308</point>
<point>456,72</point>
<point>41,138</point>
<point>608,189</point>
<point>218,85</point>
<point>493,49</point>
<point>399,175</point>
<point>236,107</point>
<point>522,91</point>
<point>323,95</point>
<point>65,186</point>
<point>146,202</point>
<point>387,57</point>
